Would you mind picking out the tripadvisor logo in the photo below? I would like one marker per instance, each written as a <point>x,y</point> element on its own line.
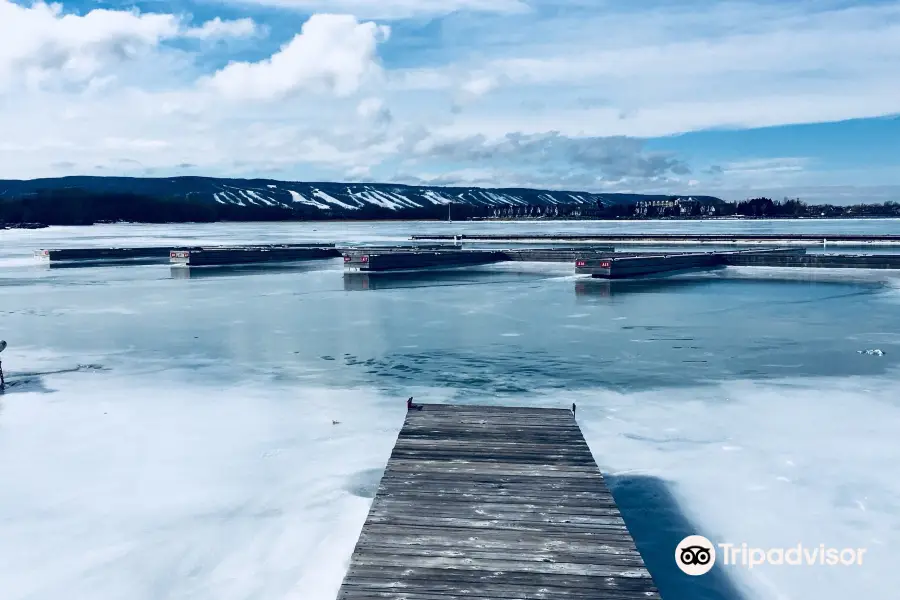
<point>695,555</point>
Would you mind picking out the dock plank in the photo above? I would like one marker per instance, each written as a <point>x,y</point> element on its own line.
<point>494,503</point>
<point>415,582</point>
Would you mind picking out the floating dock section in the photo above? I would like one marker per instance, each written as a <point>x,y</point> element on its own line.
<point>822,261</point>
<point>807,239</point>
<point>375,260</point>
<point>636,265</point>
<point>100,254</point>
<point>491,503</point>
<point>598,260</point>
<point>387,258</point>
<point>163,253</point>
<point>554,254</point>
<point>610,267</point>
<point>243,255</point>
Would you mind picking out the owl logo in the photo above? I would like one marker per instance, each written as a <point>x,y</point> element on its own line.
<point>695,555</point>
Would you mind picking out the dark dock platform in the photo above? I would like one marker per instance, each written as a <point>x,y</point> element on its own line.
<point>555,254</point>
<point>160,253</point>
<point>379,259</point>
<point>494,503</point>
<point>635,265</point>
<point>822,261</point>
<point>677,238</point>
<point>391,258</point>
<point>100,254</point>
<point>242,255</point>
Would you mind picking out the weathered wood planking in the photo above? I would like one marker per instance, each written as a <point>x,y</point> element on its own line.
<point>494,503</point>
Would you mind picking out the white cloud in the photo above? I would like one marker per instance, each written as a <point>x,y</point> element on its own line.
<point>217,29</point>
<point>671,71</point>
<point>41,45</point>
<point>394,9</point>
<point>768,166</point>
<point>358,173</point>
<point>332,53</point>
<point>370,107</point>
<point>479,85</point>
<point>374,110</point>
<point>604,158</point>
<point>514,97</point>
<point>419,79</point>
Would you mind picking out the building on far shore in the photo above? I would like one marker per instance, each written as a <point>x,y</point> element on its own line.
<point>674,207</point>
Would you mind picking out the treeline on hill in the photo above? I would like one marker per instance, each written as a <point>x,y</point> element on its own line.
<point>680,208</point>
<point>766,207</point>
<point>753,207</point>
<point>80,207</point>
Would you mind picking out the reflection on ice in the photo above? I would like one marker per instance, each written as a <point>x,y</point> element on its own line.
<point>604,288</point>
<point>183,272</point>
<point>772,465</point>
<point>356,281</point>
<point>657,522</point>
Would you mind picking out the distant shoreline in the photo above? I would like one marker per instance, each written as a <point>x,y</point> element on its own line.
<point>90,200</point>
<point>10,226</point>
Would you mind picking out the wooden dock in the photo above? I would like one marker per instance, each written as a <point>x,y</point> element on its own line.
<point>494,503</point>
<point>625,265</point>
<point>372,261</point>
<point>244,255</point>
<point>778,239</point>
<point>399,258</point>
<point>178,254</point>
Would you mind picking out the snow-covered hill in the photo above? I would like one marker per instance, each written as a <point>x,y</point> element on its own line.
<point>327,198</point>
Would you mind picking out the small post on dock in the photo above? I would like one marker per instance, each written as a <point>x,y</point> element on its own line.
<point>2,380</point>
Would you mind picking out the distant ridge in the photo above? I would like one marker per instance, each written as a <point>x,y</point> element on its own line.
<point>210,199</point>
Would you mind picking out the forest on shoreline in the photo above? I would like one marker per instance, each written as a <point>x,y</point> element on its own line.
<point>80,207</point>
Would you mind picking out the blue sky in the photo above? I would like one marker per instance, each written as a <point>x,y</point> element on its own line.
<point>683,96</point>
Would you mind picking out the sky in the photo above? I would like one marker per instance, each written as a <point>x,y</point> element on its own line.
<point>786,99</point>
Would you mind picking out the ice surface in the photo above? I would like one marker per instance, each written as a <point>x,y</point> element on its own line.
<point>206,492</point>
<point>770,465</point>
<point>150,485</point>
<point>173,438</point>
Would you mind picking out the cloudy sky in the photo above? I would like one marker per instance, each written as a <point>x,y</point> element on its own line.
<point>684,96</point>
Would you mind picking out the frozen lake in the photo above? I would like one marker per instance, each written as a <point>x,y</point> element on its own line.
<point>172,437</point>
